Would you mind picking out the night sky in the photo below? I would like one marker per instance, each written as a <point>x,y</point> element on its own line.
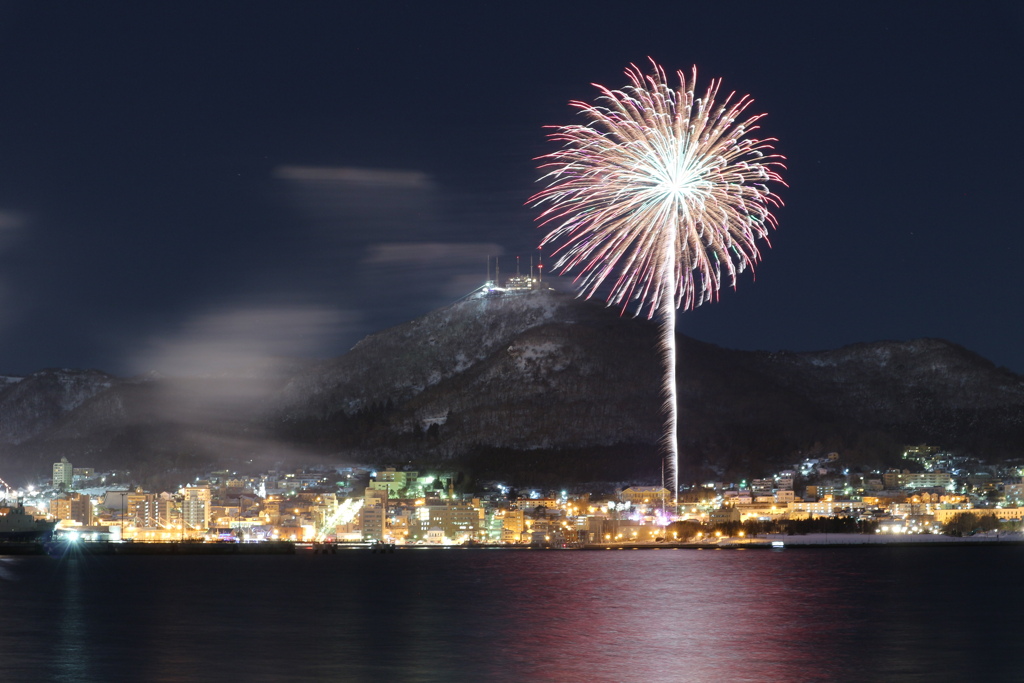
<point>189,185</point>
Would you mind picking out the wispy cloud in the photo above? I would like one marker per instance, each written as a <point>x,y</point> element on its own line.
<point>353,176</point>
<point>358,205</point>
<point>236,339</point>
<point>217,371</point>
<point>431,253</point>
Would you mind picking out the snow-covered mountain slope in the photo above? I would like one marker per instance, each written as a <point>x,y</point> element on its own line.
<point>537,375</point>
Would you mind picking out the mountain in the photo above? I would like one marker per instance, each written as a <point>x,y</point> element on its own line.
<point>547,372</point>
<point>31,405</point>
<point>533,385</point>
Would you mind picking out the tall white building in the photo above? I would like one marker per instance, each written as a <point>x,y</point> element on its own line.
<point>63,474</point>
<point>196,507</point>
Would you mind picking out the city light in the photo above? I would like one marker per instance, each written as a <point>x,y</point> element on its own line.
<point>299,507</point>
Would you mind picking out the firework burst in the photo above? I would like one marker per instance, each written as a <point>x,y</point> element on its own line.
<point>659,197</point>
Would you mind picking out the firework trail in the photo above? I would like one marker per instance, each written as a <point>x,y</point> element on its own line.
<point>659,195</point>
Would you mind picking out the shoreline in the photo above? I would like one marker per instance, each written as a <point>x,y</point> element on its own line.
<point>773,542</point>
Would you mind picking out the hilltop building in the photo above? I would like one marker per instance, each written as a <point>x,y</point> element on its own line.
<point>521,283</point>
<point>515,284</point>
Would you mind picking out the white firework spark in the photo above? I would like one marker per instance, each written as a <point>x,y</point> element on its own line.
<point>656,194</point>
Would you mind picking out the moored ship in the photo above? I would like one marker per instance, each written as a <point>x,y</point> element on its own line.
<point>17,526</point>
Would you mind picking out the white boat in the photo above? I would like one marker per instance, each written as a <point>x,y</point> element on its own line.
<point>17,526</point>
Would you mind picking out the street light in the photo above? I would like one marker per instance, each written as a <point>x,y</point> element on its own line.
<point>181,515</point>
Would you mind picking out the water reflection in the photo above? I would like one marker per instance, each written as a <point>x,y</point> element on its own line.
<point>665,615</point>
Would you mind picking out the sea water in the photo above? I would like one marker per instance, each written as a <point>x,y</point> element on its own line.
<point>827,614</point>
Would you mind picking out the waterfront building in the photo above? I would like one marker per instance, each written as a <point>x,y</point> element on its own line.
<point>943,516</point>
<point>826,508</point>
<point>196,507</point>
<point>397,522</point>
<point>458,522</point>
<point>493,523</point>
<point>141,509</point>
<point>590,528</point>
<point>512,526</point>
<point>168,513</point>
<point>552,537</point>
<point>762,511</point>
<point>623,531</point>
<point>75,507</point>
<point>724,515</point>
<point>373,513</point>
<point>154,534</point>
